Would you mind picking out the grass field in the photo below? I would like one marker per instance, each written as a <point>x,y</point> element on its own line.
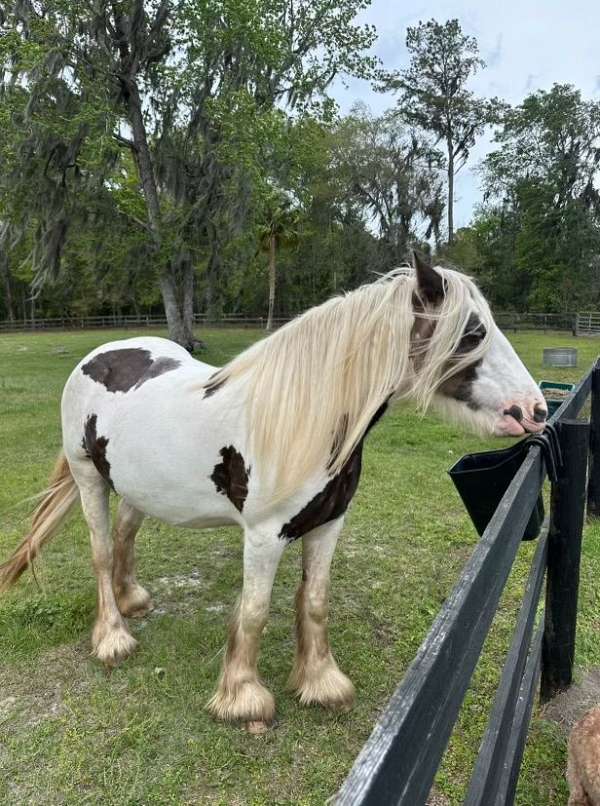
<point>71,734</point>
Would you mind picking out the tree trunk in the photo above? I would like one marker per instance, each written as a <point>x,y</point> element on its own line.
<point>8,300</point>
<point>179,330</point>
<point>272,276</point>
<point>450,194</point>
<point>189,283</point>
<point>188,297</point>
<point>179,322</point>
<point>212,297</point>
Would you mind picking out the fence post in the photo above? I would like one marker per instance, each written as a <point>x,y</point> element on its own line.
<point>594,467</point>
<point>564,553</point>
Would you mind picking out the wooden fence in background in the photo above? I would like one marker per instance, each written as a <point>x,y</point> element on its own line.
<point>398,763</point>
<point>588,324</point>
<point>130,322</point>
<point>507,321</point>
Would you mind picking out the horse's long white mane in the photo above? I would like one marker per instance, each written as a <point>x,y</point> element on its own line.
<point>320,379</point>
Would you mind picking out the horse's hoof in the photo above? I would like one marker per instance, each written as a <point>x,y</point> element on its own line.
<point>139,612</point>
<point>326,685</point>
<point>116,645</point>
<point>135,602</point>
<point>257,727</point>
<point>248,702</point>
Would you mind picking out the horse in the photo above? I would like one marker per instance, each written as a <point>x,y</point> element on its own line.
<point>271,442</point>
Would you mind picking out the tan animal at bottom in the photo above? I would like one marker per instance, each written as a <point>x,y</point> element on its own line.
<point>583,771</point>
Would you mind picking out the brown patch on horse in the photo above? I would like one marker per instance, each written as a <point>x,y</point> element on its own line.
<point>213,386</point>
<point>460,385</point>
<point>422,330</point>
<point>158,367</point>
<point>230,477</point>
<point>330,503</point>
<point>335,497</point>
<point>430,284</point>
<point>95,448</point>
<point>129,368</point>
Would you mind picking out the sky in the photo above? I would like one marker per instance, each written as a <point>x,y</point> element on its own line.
<point>526,46</point>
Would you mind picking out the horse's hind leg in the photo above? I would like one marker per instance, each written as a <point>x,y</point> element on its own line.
<point>316,677</point>
<point>111,640</point>
<point>132,599</point>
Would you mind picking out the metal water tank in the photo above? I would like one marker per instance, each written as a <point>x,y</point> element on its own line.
<point>560,357</point>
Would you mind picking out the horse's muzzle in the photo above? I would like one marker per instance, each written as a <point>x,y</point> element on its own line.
<point>517,420</point>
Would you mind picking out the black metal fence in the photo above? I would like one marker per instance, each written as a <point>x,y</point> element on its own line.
<point>398,763</point>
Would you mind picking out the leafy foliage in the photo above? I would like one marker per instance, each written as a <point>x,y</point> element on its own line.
<point>543,219</point>
<point>434,94</point>
<point>183,155</point>
<point>189,95</point>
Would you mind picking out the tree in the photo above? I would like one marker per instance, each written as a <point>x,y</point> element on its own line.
<point>544,179</point>
<point>192,90</point>
<point>394,174</point>
<point>434,95</point>
<point>280,229</point>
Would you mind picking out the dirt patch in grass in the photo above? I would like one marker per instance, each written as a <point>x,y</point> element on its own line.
<point>180,594</point>
<point>569,706</point>
<point>30,697</point>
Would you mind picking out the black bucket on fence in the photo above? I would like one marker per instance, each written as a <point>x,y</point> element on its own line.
<point>482,479</point>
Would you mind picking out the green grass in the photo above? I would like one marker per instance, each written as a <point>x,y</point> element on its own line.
<point>71,734</point>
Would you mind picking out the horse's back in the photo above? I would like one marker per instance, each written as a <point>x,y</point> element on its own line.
<point>135,356</point>
<point>117,374</point>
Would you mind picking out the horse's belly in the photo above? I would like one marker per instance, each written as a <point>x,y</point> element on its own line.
<point>169,488</point>
<point>193,511</point>
<point>165,469</point>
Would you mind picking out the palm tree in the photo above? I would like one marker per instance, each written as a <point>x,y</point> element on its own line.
<point>280,229</point>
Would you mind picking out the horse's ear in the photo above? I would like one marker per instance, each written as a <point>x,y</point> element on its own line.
<point>429,282</point>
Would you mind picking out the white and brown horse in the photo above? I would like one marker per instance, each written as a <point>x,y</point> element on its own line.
<point>271,442</point>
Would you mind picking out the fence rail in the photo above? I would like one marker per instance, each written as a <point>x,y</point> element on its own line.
<point>398,763</point>
<point>588,323</point>
<point>536,321</point>
<point>506,320</point>
<point>125,322</point>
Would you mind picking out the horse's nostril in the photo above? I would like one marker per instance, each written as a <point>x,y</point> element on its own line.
<point>515,412</point>
<point>539,414</point>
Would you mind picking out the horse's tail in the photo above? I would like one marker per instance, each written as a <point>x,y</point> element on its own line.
<point>57,501</point>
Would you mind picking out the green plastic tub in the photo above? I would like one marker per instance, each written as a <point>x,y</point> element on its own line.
<point>555,402</point>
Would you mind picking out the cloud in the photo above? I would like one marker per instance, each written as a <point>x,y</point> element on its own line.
<point>527,45</point>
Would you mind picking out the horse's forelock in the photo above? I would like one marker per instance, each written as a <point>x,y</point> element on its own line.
<point>439,357</point>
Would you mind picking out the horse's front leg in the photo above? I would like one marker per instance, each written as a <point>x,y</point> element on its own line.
<point>240,694</point>
<point>316,677</point>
